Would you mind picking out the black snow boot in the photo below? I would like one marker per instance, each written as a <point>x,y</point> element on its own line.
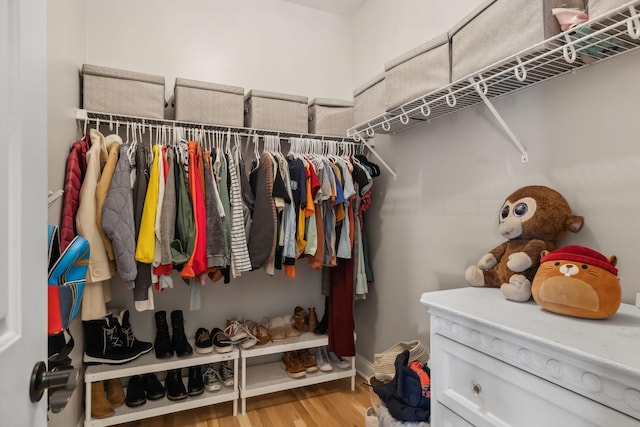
<point>132,342</point>
<point>178,337</point>
<point>104,342</point>
<point>162,343</point>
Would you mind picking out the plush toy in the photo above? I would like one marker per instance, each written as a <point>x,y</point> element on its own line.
<point>577,281</point>
<point>533,219</point>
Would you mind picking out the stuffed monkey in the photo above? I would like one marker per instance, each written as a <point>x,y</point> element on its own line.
<point>532,219</point>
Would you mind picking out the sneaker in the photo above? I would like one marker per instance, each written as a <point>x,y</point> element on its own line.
<point>203,344</point>
<point>221,341</point>
<point>250,340</point>
<point>292,365</point>
<point>338,361</point>
<point>212,380</point>
<point>226,374</point>
<point>235,331</point>
<point>322,358</point>
<point>307,360</point>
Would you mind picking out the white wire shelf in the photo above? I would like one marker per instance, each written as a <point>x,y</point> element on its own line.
<point>600,38</point>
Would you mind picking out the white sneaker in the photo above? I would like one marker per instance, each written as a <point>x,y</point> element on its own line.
<point>235,331</point>
<point>226,374</point>
<point>338,361</point>
<point>322,359</point>
<point>211,379</point>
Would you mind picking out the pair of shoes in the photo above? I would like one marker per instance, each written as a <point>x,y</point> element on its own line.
<point>101,407</point>
<point>108,341</point>
<point>259,332</point>
<point>203,341</point>
<point>221,341</point>
<point>143,387</point>
<point>338,361</point>
<point>299,363</point>
<point>165,345</point>
<point>212,380</point>
<point>303,320</point>
<point>322,358</point>
<point>226,374</point>
<point>174,385</point>
<point>240,334</point>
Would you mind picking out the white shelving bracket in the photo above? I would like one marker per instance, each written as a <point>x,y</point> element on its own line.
<point>391,171</point>
<point>482,91</point>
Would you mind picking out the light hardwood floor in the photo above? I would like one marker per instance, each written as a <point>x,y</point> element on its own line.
<point>322,405</point>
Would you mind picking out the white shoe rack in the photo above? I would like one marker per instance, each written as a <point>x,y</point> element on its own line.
<point>149,363</point>
<point>271,377</point>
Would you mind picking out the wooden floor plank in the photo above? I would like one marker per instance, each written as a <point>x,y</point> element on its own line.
<point>330,404</point>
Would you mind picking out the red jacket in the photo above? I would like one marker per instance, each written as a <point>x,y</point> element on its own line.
<point>73,177</point>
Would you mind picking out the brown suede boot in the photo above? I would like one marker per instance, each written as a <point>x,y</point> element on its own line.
<point>292,365</point>
<point>313,319</point>
<point>115,393</point>
<point>100,406</point>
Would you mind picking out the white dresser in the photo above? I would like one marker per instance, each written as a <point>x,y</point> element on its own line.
<point>501,363</point>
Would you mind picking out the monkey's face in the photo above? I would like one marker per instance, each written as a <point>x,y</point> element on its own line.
<point>513,215</point>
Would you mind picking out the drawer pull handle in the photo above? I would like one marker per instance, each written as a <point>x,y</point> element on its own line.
<point>476,388</point>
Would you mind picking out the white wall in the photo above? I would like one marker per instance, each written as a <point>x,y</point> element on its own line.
<point>441,214</point>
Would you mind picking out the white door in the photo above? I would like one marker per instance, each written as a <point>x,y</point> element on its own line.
<point>23,207</point>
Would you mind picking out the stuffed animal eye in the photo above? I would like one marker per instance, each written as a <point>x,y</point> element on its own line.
<point>520,209</point>
<point>505,212</point>
<point>585,266</point>
<point>557,263</point>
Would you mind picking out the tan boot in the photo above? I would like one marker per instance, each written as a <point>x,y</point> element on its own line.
<point>313,319</point>
<point>115,393</point>
<point>100,406</point>
<point>292,365</point>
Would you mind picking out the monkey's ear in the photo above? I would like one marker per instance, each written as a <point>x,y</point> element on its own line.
<point>613,260</point>
<point>575,223</point>
<point>544,253</point>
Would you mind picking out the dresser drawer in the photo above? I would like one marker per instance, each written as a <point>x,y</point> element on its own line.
<point>488,392</point>
<point>441,416</point>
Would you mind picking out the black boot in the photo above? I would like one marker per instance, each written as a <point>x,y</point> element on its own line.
<point>195,385</point>
<point>136,395</point>
<point>162,343</point>
<point>132,342</point>
<point>104,342</point>
<point>323,325</point>
<point>178,337</point>
<point>174,385</point>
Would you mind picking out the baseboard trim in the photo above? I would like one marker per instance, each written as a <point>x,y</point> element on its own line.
<point>364,368</point>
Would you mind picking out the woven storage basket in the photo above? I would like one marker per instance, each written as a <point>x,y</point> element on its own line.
<point>368,100</point>
<point>417,72</point>
<point>384,363</point>
<point>110,90</point>
<point>499,29</point>
<point>213,103</point>
<point>276,111</point>
<point>330,116</point>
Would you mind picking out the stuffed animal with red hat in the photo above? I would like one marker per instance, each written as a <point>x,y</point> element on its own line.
<point>578,281</point>
<point>532,219</point>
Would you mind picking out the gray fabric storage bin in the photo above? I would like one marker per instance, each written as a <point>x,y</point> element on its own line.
<point>212,103</point>
<point>417,72</point>
<point>330,116</point>
<point>501,28</point>
<point>110,90</point>
<point>368,100</point>
<point>276,111</point>
<point>597,8</point>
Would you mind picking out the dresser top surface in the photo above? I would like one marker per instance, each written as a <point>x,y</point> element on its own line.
<point>614,341</point>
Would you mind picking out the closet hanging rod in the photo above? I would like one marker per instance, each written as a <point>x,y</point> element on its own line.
<point>86,116</point>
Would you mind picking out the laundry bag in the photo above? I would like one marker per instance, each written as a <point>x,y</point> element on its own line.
<point>368,100</point>
<point>330,116</point>
<point>417,72</point>
<point>384,363</point>
<point>499,29</point>
<point>109,90</point>
<point>276,111</point>
<point>212,103</point>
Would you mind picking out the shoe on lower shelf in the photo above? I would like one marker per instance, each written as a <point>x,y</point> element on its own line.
<point>175,386</point>
<point>292,364</point>
<point>153,387</point>
<point>100,406</point>
<point>115,392</point>
<point>338,361</point>
<point>195,385</point>
<point>307,360</point>
<point>226,374</point>
<point>203,342</point>
<point>322,359</point>
<point>212,380</point>
<point>136,395</point>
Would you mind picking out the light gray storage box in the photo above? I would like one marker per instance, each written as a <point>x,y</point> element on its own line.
<point>417,72</point>
<point>110,90</point>
<point>596,8</point>
<point>499,29</point>
<point>276,111</point>
<point>368,100</point>
<point>212,103</point>
<point>330,116</point>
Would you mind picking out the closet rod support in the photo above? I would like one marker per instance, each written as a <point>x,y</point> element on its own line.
<point>514,139</point>
<point>377,156</point>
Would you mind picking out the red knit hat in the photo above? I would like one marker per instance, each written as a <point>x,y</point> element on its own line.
<point>581,254</point>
